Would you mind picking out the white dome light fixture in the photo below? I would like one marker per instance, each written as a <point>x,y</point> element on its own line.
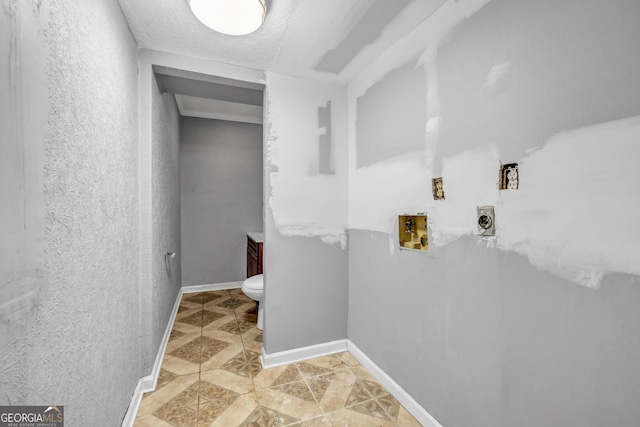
<point>232,17</point>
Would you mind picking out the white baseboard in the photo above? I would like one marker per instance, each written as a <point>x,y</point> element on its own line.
<point>405,399</point>
<point>148,383</point>
<point>213,287</point>
<point>130,417</point>
<point>298,354</point>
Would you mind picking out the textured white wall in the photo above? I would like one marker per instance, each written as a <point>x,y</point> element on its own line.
<point>70,316</point>
<point>166,215</point>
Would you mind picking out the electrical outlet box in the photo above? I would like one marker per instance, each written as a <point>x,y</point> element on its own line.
<point>486,221</point>
<point>509,176</point>
<point>412,232</point>
<point>437,189</point>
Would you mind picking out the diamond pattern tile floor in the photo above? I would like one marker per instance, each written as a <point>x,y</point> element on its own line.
<point>211,377</point>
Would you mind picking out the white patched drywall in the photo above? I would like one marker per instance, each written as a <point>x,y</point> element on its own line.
<point>576,210</point>
<point>305,203</point>
<point>573,214</point>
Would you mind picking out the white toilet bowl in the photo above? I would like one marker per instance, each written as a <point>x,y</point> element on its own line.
<point>253,287</point>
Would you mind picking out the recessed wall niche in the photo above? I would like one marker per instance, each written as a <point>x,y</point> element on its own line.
<point>412,232</point>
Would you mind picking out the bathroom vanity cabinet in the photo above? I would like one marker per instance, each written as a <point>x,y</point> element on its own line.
<point>254,254</point>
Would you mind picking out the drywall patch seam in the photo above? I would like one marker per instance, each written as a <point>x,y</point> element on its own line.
<point>304,202</point>
<point>560,217</point>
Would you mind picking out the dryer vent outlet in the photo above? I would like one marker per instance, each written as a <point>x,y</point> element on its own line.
<point>486,221</point>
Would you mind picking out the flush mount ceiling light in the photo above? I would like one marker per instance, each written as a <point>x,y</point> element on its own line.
<point>232,17</point>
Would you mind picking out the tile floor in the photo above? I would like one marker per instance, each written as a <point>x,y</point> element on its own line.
<point>211,376</point>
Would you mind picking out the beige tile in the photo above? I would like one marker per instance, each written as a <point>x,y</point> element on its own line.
<point>209,392</point>
<point>175,334</point>
<point>253,361</point>
<point>210,411</point>
<point>220,322</point>
<point>238,365</point>
<point>299,390</point>
<point>213,296</point>
<point>189,305</point>
<point>320,384</point>
<point>200,318</point>
<point>246,299</point>
<point>215,306</point>
<point>253,334</point>
<point>186,329</point>
<point>195,297</point>
<point>361,372</point>
<point>390,405</point>
<point>184,339</point>
<point>222,357</point>
<point>253,346</point>
<point>237,292</point>
<point>371,408</point>
<point>288,375</point>
<point>277,419</point>
<point>405,419</point>
<point>375,388</point>
<point>266,377</point>
<point>190,351</point>
<point>248,317</point>
<point>233,303</point>
<point>179,416</point>
<point>245,325</point>
<point>179,366</point>
<point>211,347</point>
<point>222,335</point>
<point>164,377</point>
<point>188,397</point>
<point>311,370</point>
<point>338,392</point>
<point>231,327</point>
<point>322,421</point>
<point>225,297</point>
<point>151,402</point>
<point>150,421</point>
<point>348,418</point>
<point>280,399</point>
<point>348,359</point>
<point>326,363</point>
<point>255,419</point>
<point>236,413</point>
<point>228,380</point>
<point>359,394</point>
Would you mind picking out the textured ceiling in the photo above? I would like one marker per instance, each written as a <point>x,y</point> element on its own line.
<point>296,36</point>
<point>169,25</point>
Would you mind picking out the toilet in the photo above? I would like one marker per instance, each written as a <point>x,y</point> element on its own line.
<point>253,287</point>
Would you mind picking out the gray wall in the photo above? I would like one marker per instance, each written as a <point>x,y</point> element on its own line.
<point>221,197</point>
<point>165,218</point>
<point>306,295</point>
<point>69,314</point>
<point>478,336</point>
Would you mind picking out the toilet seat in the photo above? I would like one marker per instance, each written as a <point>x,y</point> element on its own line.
<point>255,283</point>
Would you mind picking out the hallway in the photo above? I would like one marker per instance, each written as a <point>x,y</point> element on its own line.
<point>211,376</point>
